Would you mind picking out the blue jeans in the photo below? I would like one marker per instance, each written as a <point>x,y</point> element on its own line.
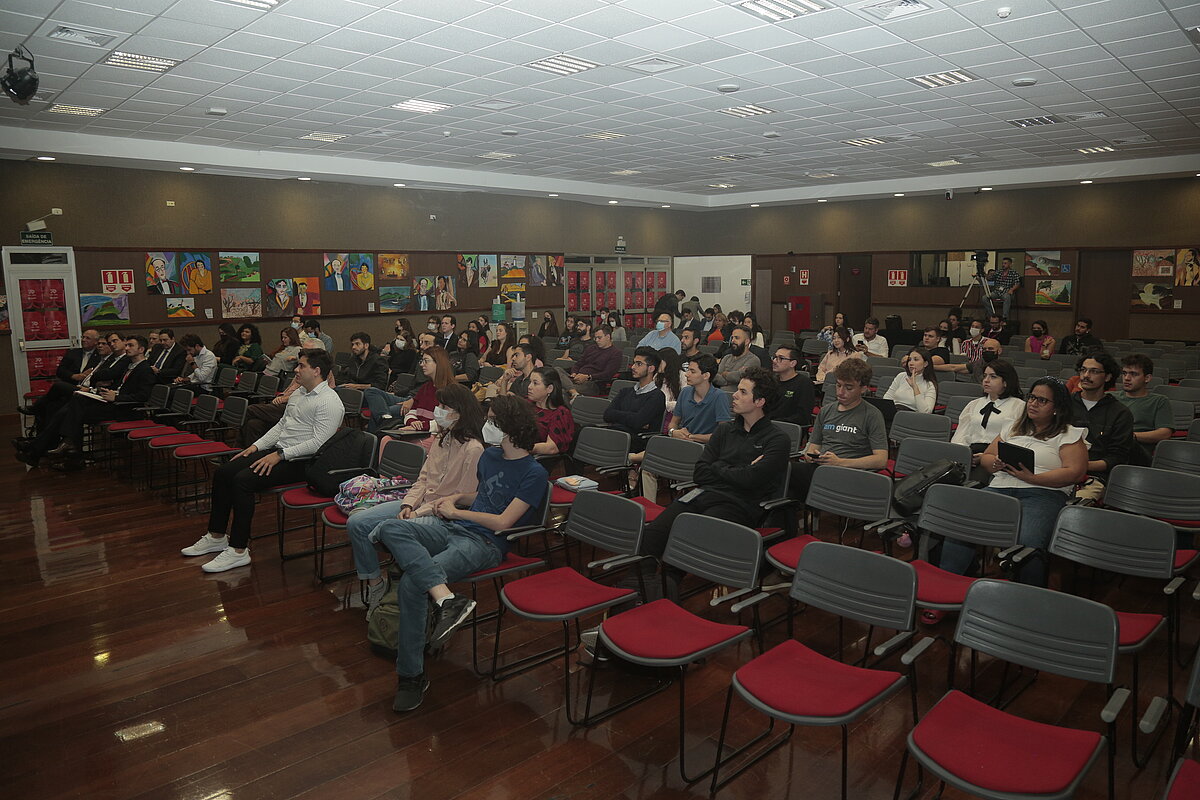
<point>380,402</point>
<point>359,529</point>
<point>430,553</point>
<point>1039,510</point>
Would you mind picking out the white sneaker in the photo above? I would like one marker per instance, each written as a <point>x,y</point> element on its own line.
<point>228,559</point>
<point>206,544</point>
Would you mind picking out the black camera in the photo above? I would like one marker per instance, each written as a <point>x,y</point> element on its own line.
<point>980,257</point>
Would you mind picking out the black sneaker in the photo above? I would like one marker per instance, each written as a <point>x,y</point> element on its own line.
<point>409,692</point>
<point>449,617</point>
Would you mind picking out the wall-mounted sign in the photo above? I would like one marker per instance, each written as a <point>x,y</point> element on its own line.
<point>42,238</point>
<point>897,277</point>
<point>802,277</point>
<point>787,280</point>
<point>116,281</point>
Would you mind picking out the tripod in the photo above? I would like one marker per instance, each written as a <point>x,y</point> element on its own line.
<point>988,302</point>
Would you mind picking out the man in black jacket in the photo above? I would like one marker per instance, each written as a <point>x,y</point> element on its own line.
<point>64,431</point>
<point>76,364</point>
<point>639,409</point>
<point>797,395</point>
<point>1109,423</point>
<point>743,464</point>
<point>366,368</point>
<point>168,359</point>
<point>1081,342</point>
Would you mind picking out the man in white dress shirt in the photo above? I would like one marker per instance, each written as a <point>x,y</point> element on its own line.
<point>202,362</point>
<point>313,415</point>
<point>869,341</point>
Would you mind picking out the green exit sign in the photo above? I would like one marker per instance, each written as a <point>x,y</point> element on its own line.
<point>745,281</point>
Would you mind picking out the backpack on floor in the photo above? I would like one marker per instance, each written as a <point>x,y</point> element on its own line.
<point>909,494</point>
<point>383,624</point>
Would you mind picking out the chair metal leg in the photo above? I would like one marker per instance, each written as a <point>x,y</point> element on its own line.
<point>588,718</point>
<point>762,753</point>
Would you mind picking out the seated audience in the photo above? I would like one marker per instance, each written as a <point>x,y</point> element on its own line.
<point>756,332</point>
<point>639,409</point>
<point>614,321</point>
<point>522,363</point>
<point>1108,422</point>
<point>401,352</point>
<point>720,323</point>
<point>200,365</point>
<point>839,321</point>
<point>498,354</point>
<point>1040,341</point>
<point>599,363</point>
<point>689,345</point>
<point>250,353</point>
<point>662,335</point>
<point>848,433</point>
<point>996,329</point>
<point>464,360</point>
<point>583,340</point>
<point>1059,461</point>
<point>366,368</point>
<point>915,389</point>
<point>1081,341</point>
<point>313,415</point>
<point>1153,420</point>
<point>312,327</point>
<point>459,541</point>
<point>167,362</point>
<point>797,395</point>
<point>549,326</point>
<point>449,470</point>
<point>738,360</point>
<point>556,426</point>
<point>226,348</point>
<point>416,413</point>
<point>287,354</point>
<point>869,342</point>
<point>569,332</point>
<point>480,332</point>
<point>972,344</point>
<point>840,349</point>
<point>984,418</point>
<point>947,339</point>
<point>75,366</point>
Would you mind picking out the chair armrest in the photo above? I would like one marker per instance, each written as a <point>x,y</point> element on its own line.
<point>758,598</point>
<point>1112,708</point>
<point>734,595</point>
<point>612,470</point>
<point>512,534</point>
<point>891,644</point>
<point>1173,586</point>
<point>612,562</point>
<point>1154,714</point>
<point>883,526</point>
<point>1196,594</point>
<point>916,651</point>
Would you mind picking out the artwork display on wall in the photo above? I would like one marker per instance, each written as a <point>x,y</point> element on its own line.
<point>1052,293</point>
<point>395,299</point>
<point>1154,263</point>
<point>347,272</point>
<point>393,266</point>
<point>1187,267</point>
<point>512,268</point>
<point>237,303</point>
<point>279,298</point>
<point>1152,295</point>
<point>195,273</point>
<point>101,309</point>
<point>512,292</point>
<point>434,293</point>
<point>181,307</point>
<point>306,297</point>
<point>468,270</point>
<point>488,277</point>
<point>162,277</point>
<point>1043,263</point>
<point>554,270</point>
<point>537,270</point>
<point>5,327</point>
<point>239,267</point>
<point>362,271</point>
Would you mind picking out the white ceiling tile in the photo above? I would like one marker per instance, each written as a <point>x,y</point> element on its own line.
<point>395,25</point>
<point>356,41</point>
<point>181,31</point>
<point>856,41</point>
<point>610,21</point>
<point>330,12</point>
<point>441,10</point>
<point>282,26</point>
<point>108,18</point>
<point>321,56</point>
<point>291,69</point>
<point>163,48</point>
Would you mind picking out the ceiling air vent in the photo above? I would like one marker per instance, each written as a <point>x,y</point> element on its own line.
<point>82,36</point>
<point>1085,116</point>
<point>1033,122</point>
<point>895,9</point>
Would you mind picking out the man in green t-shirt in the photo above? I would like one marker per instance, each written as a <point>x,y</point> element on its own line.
<point>1152,417</point>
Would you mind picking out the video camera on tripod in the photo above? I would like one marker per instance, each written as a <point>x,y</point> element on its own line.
<point>980,257</point>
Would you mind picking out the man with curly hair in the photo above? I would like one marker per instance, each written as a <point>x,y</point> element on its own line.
<point>460,539</point>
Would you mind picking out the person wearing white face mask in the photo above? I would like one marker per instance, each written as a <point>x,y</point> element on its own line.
<point>662,336</point>
<point>449,469</point>
<point>462,539</point>
<point>972,347</point>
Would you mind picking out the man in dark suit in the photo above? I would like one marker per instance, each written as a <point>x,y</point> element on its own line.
<point>76,364</point>
<point>168,359</point>
<point>63,434</point>
<point>688,322</point>
<point>447,337</point>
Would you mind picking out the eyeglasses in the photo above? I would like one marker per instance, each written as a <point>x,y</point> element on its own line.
<point>1038,400</point>
<point>1091,371</point>
<point>782,358</point>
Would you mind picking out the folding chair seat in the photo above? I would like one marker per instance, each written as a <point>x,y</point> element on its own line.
<point>989,753</point>
<point>798,686</point>
<point>664,635</point>
<point>606,450</point>
<point>1185,781</point>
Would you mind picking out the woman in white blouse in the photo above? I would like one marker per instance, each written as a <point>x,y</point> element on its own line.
<point>915,389</point>
<point>984,419</point>
<point>840,348</point>
<point>1059,460</point>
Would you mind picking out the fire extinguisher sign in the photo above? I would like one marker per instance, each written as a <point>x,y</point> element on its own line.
<point>897,277</point>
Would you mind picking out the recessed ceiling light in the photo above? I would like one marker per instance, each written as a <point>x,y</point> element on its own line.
<point>496,104</point>
<point>603,135</point>
<point>746,111</point>
<point>187,169</point>
<point>894,9</point>
<point>1085,182</point>
<point>626,172</point>
<point>613,202</point>
<point>733,157</point>
<point>950,162</point>
<point>318,136</point>
<point>509,132</point>
<point>754,205</point>
<point>563,64</point>
<point>1104,148</point>
<point>497,156</point>
<point>898,194</point>
<point>822,200</point>
<point>721,185</point>
<point>1031,122</point>
<point>1198,176</point>
<point>551,195</point>
<point>399,185</point>
<point>937,80</point>
<point>137,61</point>
<point>780,10</point>
<point>82,111</point>
<point>985,188</point>
<point>264,5</point>
<point>420,106</point>
<point>304,179</point>
<point>45,158</point>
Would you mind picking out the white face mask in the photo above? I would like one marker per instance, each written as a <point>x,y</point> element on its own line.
<point>432,326</point>
<point>296,325</point>
<point>660,326</point>
<point>401,343</point>
<point>492,436</point>
<point>976,333</point>
<point>442,416</point>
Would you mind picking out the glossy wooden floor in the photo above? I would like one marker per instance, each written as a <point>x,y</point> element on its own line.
<point>126,672</point>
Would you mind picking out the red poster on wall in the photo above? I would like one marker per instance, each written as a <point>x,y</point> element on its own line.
<point>31,294</point>
<point>585,302</point>
<point>585,281</point>
<point>572,280</point>
<point>612,299</point>
<point>628,282</point>
<point>572,301</point>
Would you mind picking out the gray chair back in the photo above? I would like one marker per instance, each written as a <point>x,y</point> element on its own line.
<point>351,400</point>
<point>226,377</point>
<point>341,360</point>
<point>1182,414</point>
<point>673,459</point>
<point>914,424</point>
<point>852,493</point>
<point>589,410</point>
<point>399,458</point>
<point>1158,493</point>
<point>794,433</point>
<point>882,376</point>
<point>607,522</point>
<point>814,347</point>
<point>267,386</point>
<point>1184,393</point>
<point>233,415</point>
<point>181,401</point>
<point>489,373</point>
<point>1193,430</point>
<point>1190,383</point>
<point>248,382</point>
<point>948,389</point>
<point>1178,455</point>
<point>870,588</point>
<point>206,408</point>
<point>602,448</point>
<point>916,453</point>
<point>955,405</point>
<point>1040,629</point>
<point>403,383</point>
<point>716,550</point>
<point>973,516</point>
<point>159,395</point>
<point>617,386</point>
<point>1109,540</point>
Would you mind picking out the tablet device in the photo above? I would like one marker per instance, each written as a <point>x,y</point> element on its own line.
<point>1016,455</point>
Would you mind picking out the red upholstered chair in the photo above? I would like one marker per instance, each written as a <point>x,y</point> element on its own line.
<point>605,521</point>
<point>1184,783</point>
<point>990,753</point>
<point>795,685</point>
<point>663,635</point>
<point>604,450</point>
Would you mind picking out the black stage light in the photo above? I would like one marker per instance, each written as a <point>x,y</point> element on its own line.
<point>20,83</point>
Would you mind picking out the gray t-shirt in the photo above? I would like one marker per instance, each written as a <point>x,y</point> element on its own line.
<point>850,434</point>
